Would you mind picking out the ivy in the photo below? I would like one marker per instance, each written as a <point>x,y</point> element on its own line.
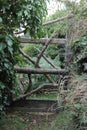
<point>16,15</point>
<point>26,14</point>
<point>7,61</point>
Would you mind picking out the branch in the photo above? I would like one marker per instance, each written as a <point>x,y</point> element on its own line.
<point>57,20</point>
<point>47,60</point>
<point>40,71</point>
<point>44,48</point>
<point>30,83</point>
<point>33,62</point>
<point>22,86</point>
<point>35,90</point>
<point>26,56</point>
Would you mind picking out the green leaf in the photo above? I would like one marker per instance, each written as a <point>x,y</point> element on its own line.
<point>77,106</point>
<point>2,46</point>
<point>0,20</point>
<point>26,13</point>
<point>10,50</point>
<point>9,41</point>
<point>2,85</point>
<point>20,13</point>
<point>1,107</point>
<point>6,65</point>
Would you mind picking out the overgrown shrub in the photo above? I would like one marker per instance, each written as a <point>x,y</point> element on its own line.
<point>76,102</point>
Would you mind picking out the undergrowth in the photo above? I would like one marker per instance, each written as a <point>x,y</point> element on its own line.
<point>72,117</point>
<point>26,121</point>
<point>76,102</point>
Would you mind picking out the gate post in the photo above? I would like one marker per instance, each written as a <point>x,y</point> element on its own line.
<point>68,52</point>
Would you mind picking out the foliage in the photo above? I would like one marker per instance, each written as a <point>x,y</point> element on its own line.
<point>14,122</point>
<point>60,26</point>
<point>77,25</point>
<point>58,57</point>
<point>76,28</point>
<point>8,52</point>
<point>79,47</point>
<point>30,50</point>
<point>25,15</point>
<point>37,121</point>
<point>77,102</point>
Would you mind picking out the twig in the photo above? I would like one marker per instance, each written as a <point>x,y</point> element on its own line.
<point>48,60</point>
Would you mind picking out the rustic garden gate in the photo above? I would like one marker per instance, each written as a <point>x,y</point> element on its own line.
<point>38,69</point>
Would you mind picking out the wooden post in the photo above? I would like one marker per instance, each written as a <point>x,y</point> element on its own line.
<point>68,51</point>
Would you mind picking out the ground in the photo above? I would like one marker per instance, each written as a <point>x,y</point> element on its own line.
<point>35,121</point>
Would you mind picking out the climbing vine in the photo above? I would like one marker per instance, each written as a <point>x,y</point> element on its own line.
<point>17,16</point>
<point>8,51</point>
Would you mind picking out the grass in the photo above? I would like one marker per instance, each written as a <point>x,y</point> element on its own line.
<point>41,121</point>
<point>45,96</point>
<point>54,123</point>
<point>24,121</point>
<point>11,122</point>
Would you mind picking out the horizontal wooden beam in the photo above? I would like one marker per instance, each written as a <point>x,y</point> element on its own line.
<point>40,71</point>
<point>42,40</point>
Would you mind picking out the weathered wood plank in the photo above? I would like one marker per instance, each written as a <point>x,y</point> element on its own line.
<point>43,41</point>
<point>40,71</point>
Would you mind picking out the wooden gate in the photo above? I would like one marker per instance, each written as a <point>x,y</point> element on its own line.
<point>38,69</point>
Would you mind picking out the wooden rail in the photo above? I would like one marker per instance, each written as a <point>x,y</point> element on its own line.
<point>40,71</point>
<point>42,40</point>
